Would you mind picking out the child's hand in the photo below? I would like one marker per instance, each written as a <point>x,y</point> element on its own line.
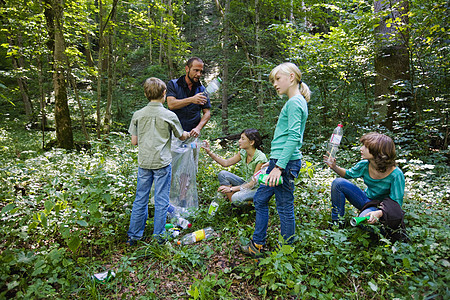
<point>224,189</point>
<point>274,177</point>
<point>330,161</point>
<point>184,136</point>
<point>205,145</point>
<point>374,216</point>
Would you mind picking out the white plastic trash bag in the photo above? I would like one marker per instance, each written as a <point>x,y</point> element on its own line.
<point>183,189</point>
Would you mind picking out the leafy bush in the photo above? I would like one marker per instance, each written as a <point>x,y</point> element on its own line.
<point>65,216</point>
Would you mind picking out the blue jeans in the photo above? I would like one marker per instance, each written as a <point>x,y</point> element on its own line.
<point>342,189</point>
<point>284,196</point>
<point>241,197</point>
<point>139,213</point>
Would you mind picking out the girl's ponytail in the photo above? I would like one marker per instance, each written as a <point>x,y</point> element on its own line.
<point>305,91</point>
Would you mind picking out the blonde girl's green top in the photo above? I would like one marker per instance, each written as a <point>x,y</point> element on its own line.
<point>288,136</point>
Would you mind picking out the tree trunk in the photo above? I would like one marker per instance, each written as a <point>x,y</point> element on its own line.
<point>391,62</point>
<point>42,112</point>
<point>226,43</point>
<point>259,95</point>
<point>169,42</point>
<point>63,122</point>
<point>109,43</point>
<point>161,41</point>
<point>19,64</point>
<point>80,106</point>
<point>150,35</point>
<point>99,67</point>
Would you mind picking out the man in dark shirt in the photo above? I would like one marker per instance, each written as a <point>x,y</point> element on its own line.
<point>186,99</point>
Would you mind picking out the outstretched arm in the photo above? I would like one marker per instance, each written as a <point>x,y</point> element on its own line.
<point>331,162</point>
<point>195,132</point>
<point>220,160</point>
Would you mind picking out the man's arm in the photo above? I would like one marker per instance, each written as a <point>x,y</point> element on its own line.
<point>174,103</point>
<point>205,118</point>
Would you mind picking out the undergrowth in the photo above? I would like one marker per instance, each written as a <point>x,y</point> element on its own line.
<point>65,215</point>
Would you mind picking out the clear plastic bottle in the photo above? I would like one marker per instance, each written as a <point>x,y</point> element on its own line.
<point>213,86</point>
<point>183,223</point>
<point>335,140</point>
<point>175,217</point>
<point>257,174</point>
<point>104,276</point>
<point>214,206</point>
<point>196,236</point>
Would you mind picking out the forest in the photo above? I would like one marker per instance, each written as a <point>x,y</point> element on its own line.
<point>71,77</point>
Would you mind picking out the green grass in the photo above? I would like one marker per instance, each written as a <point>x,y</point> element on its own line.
<point>65,215</point>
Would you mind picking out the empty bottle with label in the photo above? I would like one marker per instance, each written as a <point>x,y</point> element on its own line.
<point>196,236</point>
<point>335,140</point>
<point>213,86</point>
<point>214,206</point>
<point>257,174</point>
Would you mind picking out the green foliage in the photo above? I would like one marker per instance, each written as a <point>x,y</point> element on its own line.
<point>65,216</point>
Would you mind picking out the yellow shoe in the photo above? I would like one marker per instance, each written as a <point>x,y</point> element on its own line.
<point>252,249</point>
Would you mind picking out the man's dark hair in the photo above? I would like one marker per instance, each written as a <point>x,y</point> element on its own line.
<point>191,60</point>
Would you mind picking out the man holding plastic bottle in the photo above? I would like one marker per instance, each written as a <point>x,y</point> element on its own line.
<point>186,98</point>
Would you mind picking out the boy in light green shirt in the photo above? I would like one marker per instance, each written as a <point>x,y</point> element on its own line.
<point>151,127</point>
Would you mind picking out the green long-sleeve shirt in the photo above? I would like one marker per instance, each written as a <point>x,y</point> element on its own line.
<point>288,136</point>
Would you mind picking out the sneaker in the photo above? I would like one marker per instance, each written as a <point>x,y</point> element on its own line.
<point>131,242</point>
<point>252,249</point>
<point>160,240</point>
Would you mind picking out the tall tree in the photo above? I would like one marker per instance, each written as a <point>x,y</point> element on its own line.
<point>259,98</point>
<point>19,64</point>
<point>54,13</point>
<point>101,44</point>
<point>226,53</point>
<point>110,68</point>
<point>391,60</point>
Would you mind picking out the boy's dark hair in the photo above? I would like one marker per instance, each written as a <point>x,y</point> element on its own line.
<point>154,88</point>
<point>253,135</point>
<point>191,60</point>
<point>382,149</point>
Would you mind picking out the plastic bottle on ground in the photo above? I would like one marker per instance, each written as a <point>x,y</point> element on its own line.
<point>213,207</point>
<point>178,220</point>
<point>196,236</point>
<point>335,140</point>
<point>215,203</point>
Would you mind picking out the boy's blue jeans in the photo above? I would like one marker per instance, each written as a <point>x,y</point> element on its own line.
<point>284,196</point>
<point>342,189</point>
<point>139,213</point>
